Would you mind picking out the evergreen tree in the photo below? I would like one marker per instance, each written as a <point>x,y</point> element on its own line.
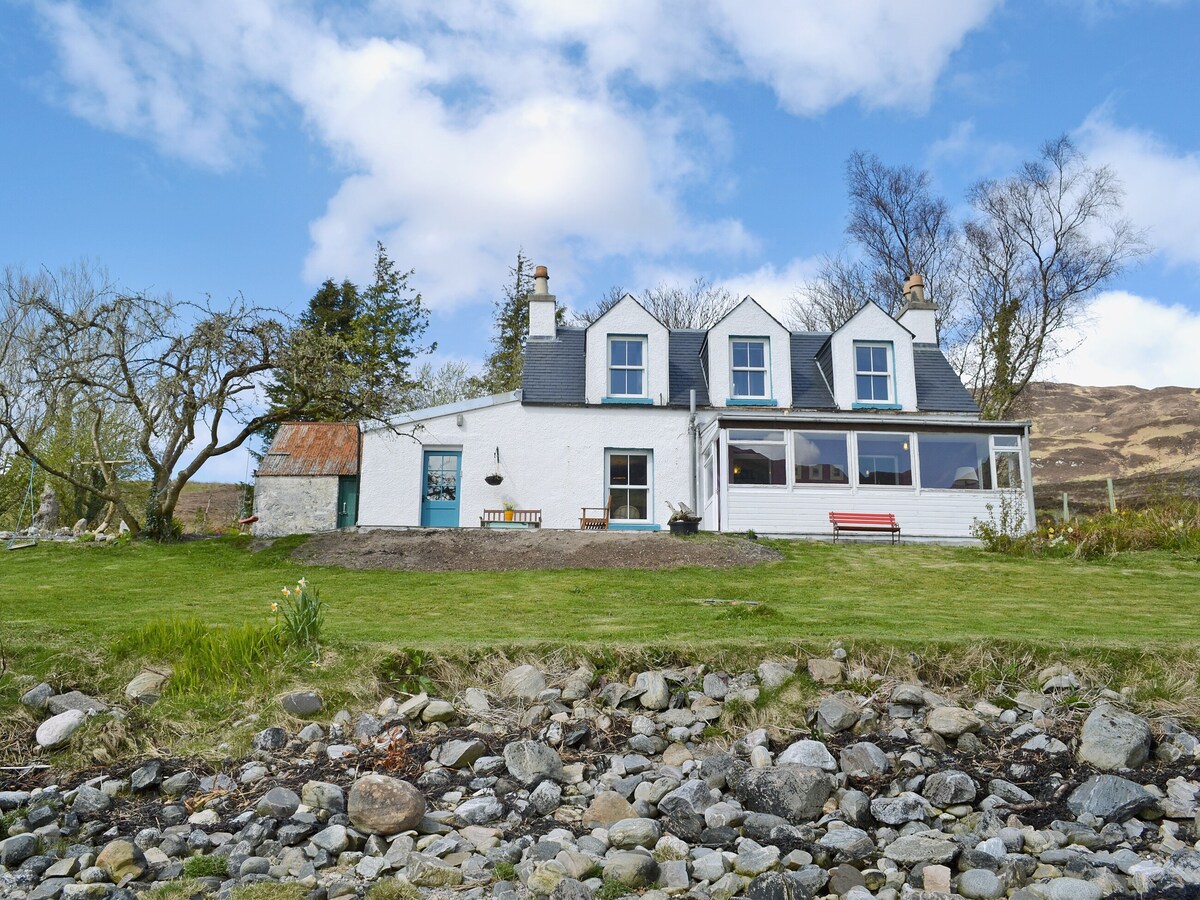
<point>506,363</point>
<point>363,341</point>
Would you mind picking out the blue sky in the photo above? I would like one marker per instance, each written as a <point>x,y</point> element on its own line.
<point>255,146</point>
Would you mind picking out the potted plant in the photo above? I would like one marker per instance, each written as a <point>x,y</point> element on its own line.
<point>683,520</point>
<point>508,510</point>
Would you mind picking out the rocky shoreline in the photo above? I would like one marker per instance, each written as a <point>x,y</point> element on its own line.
<point>581,786</point>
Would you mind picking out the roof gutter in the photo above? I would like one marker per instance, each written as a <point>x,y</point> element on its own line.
<point>868,419</point>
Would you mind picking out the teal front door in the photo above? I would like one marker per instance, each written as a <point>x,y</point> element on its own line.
<point>439,500</point>
<point>347,502</point>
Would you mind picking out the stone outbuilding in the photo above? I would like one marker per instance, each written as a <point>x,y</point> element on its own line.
<point>308,479</point>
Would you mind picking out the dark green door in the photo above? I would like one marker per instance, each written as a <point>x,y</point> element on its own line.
<point>347,504</point>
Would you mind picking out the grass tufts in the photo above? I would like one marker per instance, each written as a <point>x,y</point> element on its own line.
<point>265,890</point>
<point>202,656</point>
<point>393,889</point>
<point>211,866</point>
<point>185,889</point>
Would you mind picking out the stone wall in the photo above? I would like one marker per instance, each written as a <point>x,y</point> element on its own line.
<point>295,504</point>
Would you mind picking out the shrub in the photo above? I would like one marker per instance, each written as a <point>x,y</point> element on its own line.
<point>404,671</point>
<point>1004,529</point>
<point>211,866</point>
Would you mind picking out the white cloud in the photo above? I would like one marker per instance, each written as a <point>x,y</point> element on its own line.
<point>466,128</point>
<point>1132,340</point>
<point>1162,183</point>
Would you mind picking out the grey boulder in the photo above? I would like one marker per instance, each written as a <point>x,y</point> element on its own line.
<point>379,804</point>
<point>795,793</point>
<point>1109,797</point>
<point>1114,739</point>
<point>531,761</point>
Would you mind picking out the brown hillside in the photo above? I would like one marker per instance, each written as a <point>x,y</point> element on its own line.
<point>1145,440</point>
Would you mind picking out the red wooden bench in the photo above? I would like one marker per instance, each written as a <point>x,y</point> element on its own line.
<point>885,522</point>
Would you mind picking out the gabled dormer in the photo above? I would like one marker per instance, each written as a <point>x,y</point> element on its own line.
<point>628,354</point>
<point>748,359</point>
<point>868,363</point>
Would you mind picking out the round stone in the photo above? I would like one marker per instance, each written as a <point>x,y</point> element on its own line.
<point>379,804</point>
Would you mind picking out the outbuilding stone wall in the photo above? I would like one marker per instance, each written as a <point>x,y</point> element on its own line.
<point>295,504</point>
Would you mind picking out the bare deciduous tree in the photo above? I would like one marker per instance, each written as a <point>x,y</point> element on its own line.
<point>185,378</point>
<point>699,305</point>
<point>1042,243</point>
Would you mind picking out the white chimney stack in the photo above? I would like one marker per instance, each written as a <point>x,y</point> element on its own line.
<point>543,313</point>
<point>919,314</point>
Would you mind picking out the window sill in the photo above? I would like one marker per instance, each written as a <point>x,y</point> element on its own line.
<point>750,401</point>
<point>628,401</point>
<point>875,406</point>
<point>632,526</point>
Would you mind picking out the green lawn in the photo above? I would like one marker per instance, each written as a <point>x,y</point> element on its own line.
<point>90,616</point>
<point>910,593</point>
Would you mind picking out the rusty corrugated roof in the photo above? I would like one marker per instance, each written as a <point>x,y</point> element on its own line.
<point>313,448</point>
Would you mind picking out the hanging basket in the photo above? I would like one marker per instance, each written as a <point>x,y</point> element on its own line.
<point>494,479</point>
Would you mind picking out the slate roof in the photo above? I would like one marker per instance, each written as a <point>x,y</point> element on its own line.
<point>809,390</point>
<point>554,373</point>
<point>684,368</point>
<point>312,448</point>
<point>939,388</point>
<point>553,370</point>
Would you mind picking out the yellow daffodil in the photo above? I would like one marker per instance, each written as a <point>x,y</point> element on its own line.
<point>303,582</point>
<point>274,607</point>
<point>286,592</point>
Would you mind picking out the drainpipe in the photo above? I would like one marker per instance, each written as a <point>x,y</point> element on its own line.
<point>693,450</point>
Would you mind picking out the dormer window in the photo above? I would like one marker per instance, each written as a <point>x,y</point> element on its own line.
<point>627,366</point>
<point>748,370</point>
<point>873,381</point>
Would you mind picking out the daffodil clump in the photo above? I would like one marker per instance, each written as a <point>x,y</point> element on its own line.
<point>299,616</point>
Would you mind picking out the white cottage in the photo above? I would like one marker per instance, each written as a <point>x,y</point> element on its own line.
<point>754,426</point>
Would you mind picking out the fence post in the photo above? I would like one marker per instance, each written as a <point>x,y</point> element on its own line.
<point>1112,499</point>
<point>1066,509</point>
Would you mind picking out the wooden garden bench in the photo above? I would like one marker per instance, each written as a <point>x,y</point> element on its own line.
<point>885,522</point>
<point>595,518</point>
<point>531,518</point>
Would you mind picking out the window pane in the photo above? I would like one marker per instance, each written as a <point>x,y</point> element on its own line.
<point>616,381</point>
<point>633,382</point>
<point>1006,440</point>
<point>629,503</point>
<point>756,354</point>
<point>821,458</point>
<point>617,349</point>
<point>745,434</point>
<point>633,353</point>
<point>741,355</point>
<point>884,459</point>
<point>618,469</point>
<point>864,387</point>
<point>637,470</point>
<point>757,464</point>
<point>741,384</point>
<point>862,359</point>
<point>879,359</point>
<point>1008,469</point>
<point>758,384</point>
<point>879,385</point>
<point>954,460</point>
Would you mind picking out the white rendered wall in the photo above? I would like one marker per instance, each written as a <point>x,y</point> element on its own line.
<point>628,318</point>
<point>295,504</point>
<point>872,324</point>
<point>552,459</point>
<point>749,320</point>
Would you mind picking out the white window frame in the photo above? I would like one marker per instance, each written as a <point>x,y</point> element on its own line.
<point>914,461</point>
<point>890,373</point>
<point>632,339</point>
<point>998,450</point>
<point>648,487</point>
<point>765,368</point>
<point>782,441</point>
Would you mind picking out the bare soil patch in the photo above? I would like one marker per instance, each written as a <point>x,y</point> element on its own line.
<point>478,550</point>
